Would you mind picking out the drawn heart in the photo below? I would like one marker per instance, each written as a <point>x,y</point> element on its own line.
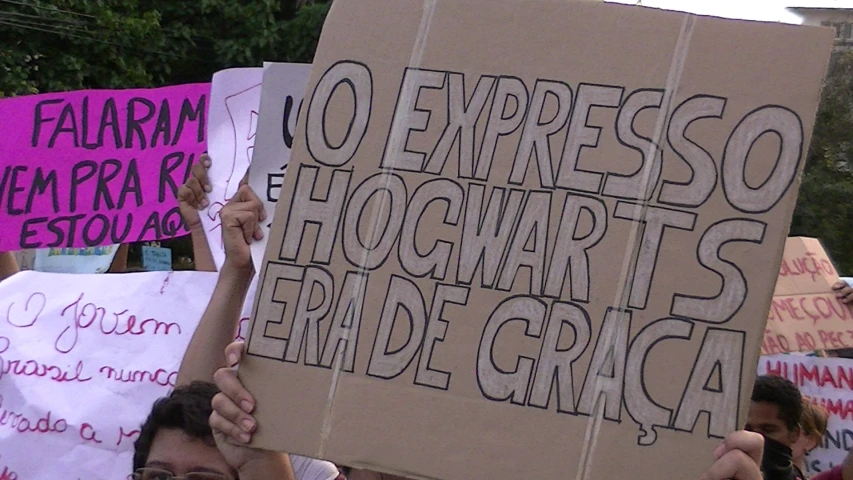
<point>26,315</point>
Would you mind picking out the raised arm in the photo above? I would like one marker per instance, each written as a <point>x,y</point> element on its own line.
<point>192,197</point>
<point>240,226</point>
<point>119,264</point>
<point>8,265</point>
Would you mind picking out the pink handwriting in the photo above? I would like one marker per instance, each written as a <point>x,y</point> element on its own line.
<point>838,377</point>
<point>810,307</point>
<point>130,435</point>
<point>808,265</point>
<point>32,368</point>
<point>806,341</point>
<point>23,424</point>
<point>30,314</point>
<point>165,283</point>
<point>841,408</point>
<point>161,377</point>
<point>774,343</point>
<point>85,316</point>
<point>7,474</point>
<point>88,433</point>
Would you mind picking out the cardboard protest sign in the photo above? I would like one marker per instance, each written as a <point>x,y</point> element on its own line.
<point>805,314</point>
<point>75,260</point>
<point>829,381</point>
<point>97,167</point>
<point>281,97</point>
<point>81,363</point>
<point>506,254</point>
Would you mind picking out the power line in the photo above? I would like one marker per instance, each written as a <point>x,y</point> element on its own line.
<point>90,39</point>
<point>87,16</point>
<point>50,30</point>
<point>42,23</point>
<point>39,7</point>
<point>63,20</point>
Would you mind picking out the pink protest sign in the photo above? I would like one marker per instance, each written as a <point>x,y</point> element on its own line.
<point>97,167</point>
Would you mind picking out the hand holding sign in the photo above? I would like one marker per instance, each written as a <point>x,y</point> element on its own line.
<point>738,458</point>
<point>227,415</point>
<point>844,292</point>
<point>240,225</point>
<point>192,196</point>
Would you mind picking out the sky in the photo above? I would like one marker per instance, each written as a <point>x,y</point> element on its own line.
<point>769,10</point>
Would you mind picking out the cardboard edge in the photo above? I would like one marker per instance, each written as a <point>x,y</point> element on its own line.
<point>837,277</point>
<point>753,356</point>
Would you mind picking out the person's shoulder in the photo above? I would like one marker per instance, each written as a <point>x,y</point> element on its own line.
<point>832,474</point>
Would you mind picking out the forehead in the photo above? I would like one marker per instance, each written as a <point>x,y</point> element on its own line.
<point>179,453</point>
<point>763,412</point>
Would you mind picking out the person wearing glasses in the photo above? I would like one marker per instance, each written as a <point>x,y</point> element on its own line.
<point>737,457</point>
<point>176,441</point>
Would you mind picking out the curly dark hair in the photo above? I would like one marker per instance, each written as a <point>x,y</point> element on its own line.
<point>784,394</point>
<point>187,408</point>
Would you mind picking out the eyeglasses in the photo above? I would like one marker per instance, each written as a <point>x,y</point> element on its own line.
<point>157,474</point>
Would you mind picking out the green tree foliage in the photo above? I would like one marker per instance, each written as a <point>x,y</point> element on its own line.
<point>57,45</point>
<point>825,205</point>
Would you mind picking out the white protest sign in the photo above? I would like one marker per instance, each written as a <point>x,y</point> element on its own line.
<point>235,96</point>
<point>829,381</point>
<point>282,93</point>
<point>75,260</point>
<point>82,359</point>
<point>234,106</point>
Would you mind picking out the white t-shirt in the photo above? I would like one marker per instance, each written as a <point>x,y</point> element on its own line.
<point>310,469</point>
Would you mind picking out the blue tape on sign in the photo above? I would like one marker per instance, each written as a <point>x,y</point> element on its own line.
<point>157,259</point>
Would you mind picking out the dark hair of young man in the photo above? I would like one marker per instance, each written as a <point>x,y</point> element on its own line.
<point>784,394</point>
<point>187,408</point>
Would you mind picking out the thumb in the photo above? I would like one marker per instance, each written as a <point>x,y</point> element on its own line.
<point>234,353</point>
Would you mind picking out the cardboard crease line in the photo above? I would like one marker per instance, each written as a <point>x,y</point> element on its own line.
<point>414,62</point>
<point>621,299</point>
